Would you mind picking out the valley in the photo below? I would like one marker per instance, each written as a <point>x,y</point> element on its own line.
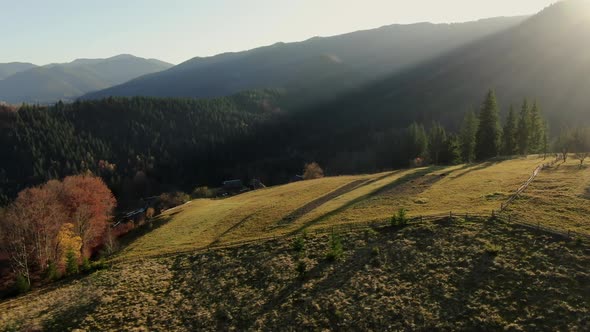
<point>409,177</point>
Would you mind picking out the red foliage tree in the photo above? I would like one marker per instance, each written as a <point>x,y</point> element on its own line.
<point>30,228</point>
<point>89,203</point>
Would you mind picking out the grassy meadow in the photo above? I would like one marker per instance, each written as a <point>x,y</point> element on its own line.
<point>309,205</point>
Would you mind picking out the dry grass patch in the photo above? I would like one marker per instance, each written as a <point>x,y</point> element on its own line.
<point>432,276</point>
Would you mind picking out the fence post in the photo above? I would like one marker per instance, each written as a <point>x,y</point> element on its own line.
<point>451,215</point>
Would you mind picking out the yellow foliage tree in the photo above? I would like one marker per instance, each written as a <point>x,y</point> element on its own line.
<point>68,240</point>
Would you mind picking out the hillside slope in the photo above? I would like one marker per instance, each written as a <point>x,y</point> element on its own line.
<point>55,82</point>
<point>233,264</point>
<point>545,58</point>
<point>345,200</point>
<point>433,276</point>
<point>316,68</point>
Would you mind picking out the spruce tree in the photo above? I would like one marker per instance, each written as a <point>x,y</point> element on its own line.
<point>436,142</point>
<point>467,137</point>
<point>545,138</point>
<point>523,129</point>
<point>535,130</point>
<point>509,134</point>
<point>487,140</point>
<point>416,141</point>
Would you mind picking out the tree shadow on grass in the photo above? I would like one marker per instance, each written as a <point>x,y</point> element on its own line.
<point>138,232</point>
<point>470,168</point>
<point>72,314</point>
<point>376,192</point>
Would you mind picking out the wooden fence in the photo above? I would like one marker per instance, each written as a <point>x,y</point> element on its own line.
<point>525,185</point>
<point>500,216</point>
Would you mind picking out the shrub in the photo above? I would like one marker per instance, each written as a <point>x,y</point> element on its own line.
<point>111,244</point>
<point>150,213</point>
<point>375,256</point>
<point>400,218</point>
<point>71,263</point>
<point>375,252</point>
<point>492,249</point>
<point>21,284</point>
<point>336,250</point>
<point>52,272</point>
<point>202,192</point>
<point>100,264</point>
<point>86,266</point>
<point>301,269</point>
<point>369,234</point>
<point>312,171</point>
<point>299,244</point>
<point>170,200</point>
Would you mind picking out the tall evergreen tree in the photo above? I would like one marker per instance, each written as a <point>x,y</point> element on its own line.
<point>436,142</point>
<point>467,137</point>
<point>509,134</point>
<point>487,140</point>
<point>545,138</point>
<point>535,130</point>
<point>416,141</point>
<point>451,153</point>
<point>523,128</point>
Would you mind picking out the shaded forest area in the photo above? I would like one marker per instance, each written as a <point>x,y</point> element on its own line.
<point>145,146</point>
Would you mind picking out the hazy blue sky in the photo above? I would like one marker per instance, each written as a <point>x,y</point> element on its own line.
<point>46,31</point>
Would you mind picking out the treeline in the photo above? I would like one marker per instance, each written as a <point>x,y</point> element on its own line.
<point>481,136</point>
<point>50,230</point>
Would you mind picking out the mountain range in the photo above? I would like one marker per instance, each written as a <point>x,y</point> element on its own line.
<point>545,59</point>
<point>313,69</point>
<point>21,82</point>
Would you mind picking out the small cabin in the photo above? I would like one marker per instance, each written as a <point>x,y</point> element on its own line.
<point>256,184</point>
<point>233,185</point>
<point>296,178</point>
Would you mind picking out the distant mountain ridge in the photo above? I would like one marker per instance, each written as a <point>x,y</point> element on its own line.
<point>316,68</point>
<point>546,58</point>
<point>9,69</point>
<point>67,81</point>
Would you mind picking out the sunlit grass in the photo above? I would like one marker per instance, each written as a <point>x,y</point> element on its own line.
<point>558,198</point>
<point>477,188</point>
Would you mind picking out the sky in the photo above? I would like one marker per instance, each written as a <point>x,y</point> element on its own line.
<point>43,31</point>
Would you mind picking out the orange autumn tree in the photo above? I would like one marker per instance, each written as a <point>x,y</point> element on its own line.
<point>89,203</point>
<point>46,222</point>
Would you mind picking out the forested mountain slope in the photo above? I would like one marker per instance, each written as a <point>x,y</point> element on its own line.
<point>316,68</point>
<point>153,143</point>
<point>545,58</point>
